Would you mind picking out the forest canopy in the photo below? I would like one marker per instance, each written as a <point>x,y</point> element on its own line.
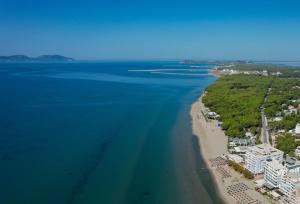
<point>237,99</point>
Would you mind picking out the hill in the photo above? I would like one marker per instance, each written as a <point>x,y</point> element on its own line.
<point>42,58</point>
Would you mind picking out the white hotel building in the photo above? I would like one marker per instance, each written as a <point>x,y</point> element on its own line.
<point>274,171</point>
<point>290,187</point>
<point>285,177</point>
<point>257,156</point>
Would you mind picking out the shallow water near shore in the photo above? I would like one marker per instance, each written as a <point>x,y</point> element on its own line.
<point>96,133</point>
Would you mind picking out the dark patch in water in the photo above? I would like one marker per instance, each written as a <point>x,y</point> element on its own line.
<point>78,188</point>
<point>146,193</point>
<point>6,157</point>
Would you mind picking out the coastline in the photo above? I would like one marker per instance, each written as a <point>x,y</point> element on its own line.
<point>212,142</point>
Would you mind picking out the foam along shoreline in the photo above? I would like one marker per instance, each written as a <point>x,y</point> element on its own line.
<point>213,144</point>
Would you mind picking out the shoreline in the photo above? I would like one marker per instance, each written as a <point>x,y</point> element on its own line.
<point>210,146</point>
<point>195,184</point>
<point>212,143</point>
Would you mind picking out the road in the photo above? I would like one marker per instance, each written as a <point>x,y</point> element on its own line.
<point>264,121</point>
<point>264,129</point>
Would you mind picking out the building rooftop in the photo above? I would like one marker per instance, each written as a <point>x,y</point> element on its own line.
<point>264,150</point>
<point>245,140</point>
<point>290,160</point>
<point>295,176</point>
<point>275,164</point>
<point>235,157</point>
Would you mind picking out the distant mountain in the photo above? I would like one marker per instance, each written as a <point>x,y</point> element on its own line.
<point>42,58</point>
<point>14,58</point>
<point>51,58</point>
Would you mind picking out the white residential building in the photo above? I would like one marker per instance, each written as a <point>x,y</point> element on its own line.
<point>274,171</point>
<point>290,187</point>
<point>285,176</point>
<point>292,164</point>
<point>257,156</point>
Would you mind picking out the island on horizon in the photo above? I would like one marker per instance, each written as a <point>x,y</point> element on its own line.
<point>41,58</point>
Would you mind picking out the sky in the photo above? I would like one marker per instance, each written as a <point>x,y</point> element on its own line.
<point>152,29</point>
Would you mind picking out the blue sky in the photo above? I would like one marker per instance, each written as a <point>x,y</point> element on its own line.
<point>152,29</point>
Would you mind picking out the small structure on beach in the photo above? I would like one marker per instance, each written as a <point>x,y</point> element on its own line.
<point>241,150</point>
<point>212,115</point>
<point>274,195</point>
<point>236,158</point>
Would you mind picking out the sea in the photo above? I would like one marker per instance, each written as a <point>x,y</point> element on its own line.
<point>101,133</point>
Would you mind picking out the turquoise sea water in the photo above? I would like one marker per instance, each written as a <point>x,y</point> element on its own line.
<point>94,132</point>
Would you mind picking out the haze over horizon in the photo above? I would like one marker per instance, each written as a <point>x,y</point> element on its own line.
<point>136,30</point>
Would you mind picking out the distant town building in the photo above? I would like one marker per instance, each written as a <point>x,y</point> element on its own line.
<point>297,151</point>
<point>296,131</point>
<point>256,157</point>
<point>291,109</point>
<point>277,119</point>
<point>276,73</point>
<point>297,128</point>
<point>249,134</point>
<point>265,73</point>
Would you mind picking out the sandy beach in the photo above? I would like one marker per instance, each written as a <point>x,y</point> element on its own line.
<point>213,144</point>
<point>212,141</point>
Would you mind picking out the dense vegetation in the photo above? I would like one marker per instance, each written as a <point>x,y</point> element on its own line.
<point>287,123</point>
<point>284,92</point>
<point>237,99</point>
<point>237,167</point>
<point>287,144</point>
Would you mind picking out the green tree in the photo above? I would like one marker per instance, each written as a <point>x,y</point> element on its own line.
<point>286,143</point>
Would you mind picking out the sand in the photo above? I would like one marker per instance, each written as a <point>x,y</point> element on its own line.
<point>213,143</point>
